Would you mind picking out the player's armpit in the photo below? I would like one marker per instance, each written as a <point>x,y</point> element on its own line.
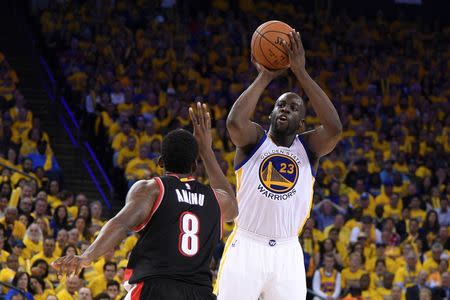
<point>320,141</point>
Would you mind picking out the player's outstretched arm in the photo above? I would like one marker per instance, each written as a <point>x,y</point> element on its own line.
<point>201,120</point>
<point>139,203</point>
<point>322,140</point>
<point>243,132</point>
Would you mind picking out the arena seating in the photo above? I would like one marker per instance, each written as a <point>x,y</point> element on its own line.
<point>381,195</point>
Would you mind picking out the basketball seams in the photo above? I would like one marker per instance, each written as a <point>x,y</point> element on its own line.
<point>262,52</point>
<point>262,35</point>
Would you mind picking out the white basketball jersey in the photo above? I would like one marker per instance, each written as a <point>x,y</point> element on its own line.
<point>275,189</point>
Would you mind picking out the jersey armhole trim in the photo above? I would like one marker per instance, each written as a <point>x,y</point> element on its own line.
<point>155,206</point>
<point>221,211</point>
<point>246,159</point>
<point>308,153</point>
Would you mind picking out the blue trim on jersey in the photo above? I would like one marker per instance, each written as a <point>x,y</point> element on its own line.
<point>260,142</point>
<point>308,153</point>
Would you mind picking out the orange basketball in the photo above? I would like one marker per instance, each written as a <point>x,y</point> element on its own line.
<point>266,44</point>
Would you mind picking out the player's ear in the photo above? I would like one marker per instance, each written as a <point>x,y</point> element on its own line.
<point>160,162</point>
<point>302,126</point>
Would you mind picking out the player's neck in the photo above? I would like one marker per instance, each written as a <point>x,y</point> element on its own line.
<point>178,175</point>
<point>281,140</point>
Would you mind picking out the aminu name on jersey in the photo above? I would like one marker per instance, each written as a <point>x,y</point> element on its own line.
<point>190,197</point>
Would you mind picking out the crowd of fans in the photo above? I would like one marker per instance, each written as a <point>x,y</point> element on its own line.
<point>380,224</point>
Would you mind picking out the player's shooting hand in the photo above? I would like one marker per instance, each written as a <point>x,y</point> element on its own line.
<point>201,120</point>
<point>70,264</point>
<point>296,52</point>
<point>271,74</point>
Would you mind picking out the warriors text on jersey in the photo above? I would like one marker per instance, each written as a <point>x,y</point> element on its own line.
<point>275,189</point>
<point>179,236</point>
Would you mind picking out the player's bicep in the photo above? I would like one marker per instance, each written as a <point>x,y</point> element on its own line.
<point>228,204</point>
<point>320,142</point>
<point>245,133</point>
<point>139,203</point>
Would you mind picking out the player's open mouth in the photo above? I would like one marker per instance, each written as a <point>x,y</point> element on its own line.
<point>282,118</point>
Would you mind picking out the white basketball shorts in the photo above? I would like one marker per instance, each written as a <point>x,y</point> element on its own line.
<point>255,267</point>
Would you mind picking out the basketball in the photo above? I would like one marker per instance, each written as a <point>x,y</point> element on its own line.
<point>266,45</point>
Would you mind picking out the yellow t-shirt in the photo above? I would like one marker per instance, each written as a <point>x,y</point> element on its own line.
<point>384,293</point>
<point>430,265</point>
<point>41,255</point>
<point>370,294</point>
<point>120,140</point>
<point>18,228</point>
<point>65,295</point>
<point>382,199</point>
<point>138,168</point>
<point>348,277</point>
<point>406,277</point>
<point>129,243</point>
<point>125,155</point>
<point>418,214</point>
<point>3,256</point>
<point>32,248</point>
<point>390,264</point>
<point>7,275</point>
<point>327,283</point>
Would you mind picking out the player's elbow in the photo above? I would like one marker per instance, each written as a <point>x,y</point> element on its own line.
<point>336,129</point>
<point>233,123</point>
<point>232,211</point>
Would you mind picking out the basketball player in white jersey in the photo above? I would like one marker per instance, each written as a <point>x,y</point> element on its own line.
<point>275,176</point>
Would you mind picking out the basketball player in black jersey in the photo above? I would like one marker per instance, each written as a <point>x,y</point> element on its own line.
<point>178,219</point>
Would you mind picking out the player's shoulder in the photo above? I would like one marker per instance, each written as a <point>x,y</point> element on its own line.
<point>144,188</point>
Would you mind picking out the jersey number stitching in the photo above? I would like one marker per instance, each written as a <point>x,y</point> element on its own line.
<point>188,241</point>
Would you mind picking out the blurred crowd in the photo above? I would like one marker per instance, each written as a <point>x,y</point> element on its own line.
<point>380,223</point>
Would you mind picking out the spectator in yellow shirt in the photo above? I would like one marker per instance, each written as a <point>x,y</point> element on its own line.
<point>385,196</point>
<point>367,293</point>
<point>380,255</point>
<point>432,264</point>
<point>140,167</point>
<point>121,138</point>
<point>96,213</point>
<point>113,289</point>
<point>73,283</point>
<point>99,284</point>
<point>415,211</point>
<point>351,276</point>
<point>33,241</point>
<point>394,208</point>
<point>84,293</point>
<point>12,265</point>
<point>48,253</point>
<point>407,276</point>
<point>11,222</point>
<point>128,152</point>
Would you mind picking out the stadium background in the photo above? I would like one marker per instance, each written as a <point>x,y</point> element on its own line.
<point>88,89</point>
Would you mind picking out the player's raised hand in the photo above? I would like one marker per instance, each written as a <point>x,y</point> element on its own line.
<point>201,120</point>
<point>70,264</point>
<point>296,52</point>
<point>272,74</point>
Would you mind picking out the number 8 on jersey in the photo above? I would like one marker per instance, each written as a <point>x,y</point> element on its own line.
<point>188,243</point>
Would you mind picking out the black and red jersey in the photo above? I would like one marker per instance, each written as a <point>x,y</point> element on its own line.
<point>178,238</point>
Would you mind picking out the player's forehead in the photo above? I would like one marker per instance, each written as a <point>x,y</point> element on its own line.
<point>290,98</point>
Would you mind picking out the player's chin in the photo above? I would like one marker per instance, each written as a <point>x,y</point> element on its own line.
<point>282,128</point>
